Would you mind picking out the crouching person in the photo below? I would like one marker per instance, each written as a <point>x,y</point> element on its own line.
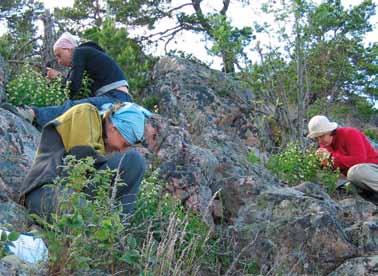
<point>83,131</point>
<point>347,149</point>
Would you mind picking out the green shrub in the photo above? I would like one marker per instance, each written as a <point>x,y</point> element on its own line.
<point>84,232</point>
<point>87,232</point>
<point>294,165</point>
<point>151,103</point>
<point>31,88</point>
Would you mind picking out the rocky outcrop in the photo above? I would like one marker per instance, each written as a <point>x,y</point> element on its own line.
<point>367,266</point>
<point>212,155</point>
<point>209,129</point>
<point>19,141</point>
<point>293,232</point>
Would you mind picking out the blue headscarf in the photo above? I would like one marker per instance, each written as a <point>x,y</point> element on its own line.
<point>129,121</point>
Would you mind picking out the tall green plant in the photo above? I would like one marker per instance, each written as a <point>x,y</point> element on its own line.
<point>87,232</point>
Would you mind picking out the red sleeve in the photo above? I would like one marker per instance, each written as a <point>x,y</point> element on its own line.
<point>355,151</point>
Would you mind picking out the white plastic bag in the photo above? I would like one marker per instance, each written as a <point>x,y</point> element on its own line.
<point>28,248</point>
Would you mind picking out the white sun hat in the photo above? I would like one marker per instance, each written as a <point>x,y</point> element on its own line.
<point>319,125</point>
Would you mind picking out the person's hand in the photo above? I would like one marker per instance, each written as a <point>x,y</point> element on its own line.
<point>52,73</point>
<point>324,156</point>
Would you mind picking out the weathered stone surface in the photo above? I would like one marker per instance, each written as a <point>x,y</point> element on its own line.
<point>14,215</point>
<point>367,266</point>
<point>292,233</point>
<point>19,141</point>
<point>12,266</point>
<point>211,156</point>
<point>364,235</point>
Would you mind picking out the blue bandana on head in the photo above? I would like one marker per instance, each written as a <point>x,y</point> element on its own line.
<point>129,121</point>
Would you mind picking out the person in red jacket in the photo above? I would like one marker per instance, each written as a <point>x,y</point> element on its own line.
<point>348,149</point>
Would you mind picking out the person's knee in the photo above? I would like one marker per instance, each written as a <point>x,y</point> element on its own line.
<point>356,172</point>
<point>133,161</point>
<point>364,176</point>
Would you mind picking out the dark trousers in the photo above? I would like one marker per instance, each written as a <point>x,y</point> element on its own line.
<point>130,166</point>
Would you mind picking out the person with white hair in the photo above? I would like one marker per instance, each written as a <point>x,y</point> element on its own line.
<point>347,149</point>
<point>109,84</point>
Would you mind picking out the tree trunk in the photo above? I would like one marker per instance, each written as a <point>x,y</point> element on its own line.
<point>47,53</point>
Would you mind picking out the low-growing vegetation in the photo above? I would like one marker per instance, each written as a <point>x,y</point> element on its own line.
<point>30,87</point>
<point>90,232</point>
<point>295,165</point>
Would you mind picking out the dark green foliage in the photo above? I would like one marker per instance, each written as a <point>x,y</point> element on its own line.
<point>72,18</point>
<point>125,51</point>
<point>353,107</point>
<point>229,41</point>
<point>151,103</point>
<point>20,17</point>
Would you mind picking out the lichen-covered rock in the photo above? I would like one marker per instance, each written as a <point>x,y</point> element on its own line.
<point>205,153</point>
<point>19,141</point>
<point>367,266</point>
<point>291,232</point>
<point>12,266</point>
<point>14,215</point>
<point>355,209</point>
<point>364,235</point>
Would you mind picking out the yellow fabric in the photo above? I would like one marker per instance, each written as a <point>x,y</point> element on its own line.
<point>81,126</point>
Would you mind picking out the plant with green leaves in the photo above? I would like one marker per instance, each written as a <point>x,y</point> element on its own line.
<point>7,239</point>
<point>295,165</point>
<point>30,87</point>
<point>253,158</point>
<point>229,41</point>
<point>86,231</point>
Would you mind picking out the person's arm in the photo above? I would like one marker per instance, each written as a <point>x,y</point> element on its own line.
<point>77,71</point>
<point>355,147</point>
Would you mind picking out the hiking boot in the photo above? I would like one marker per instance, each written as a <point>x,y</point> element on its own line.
<point>24,112</point>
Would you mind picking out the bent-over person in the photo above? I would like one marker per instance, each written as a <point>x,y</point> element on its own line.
<point>347,149</point>
<point>84,131</point>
